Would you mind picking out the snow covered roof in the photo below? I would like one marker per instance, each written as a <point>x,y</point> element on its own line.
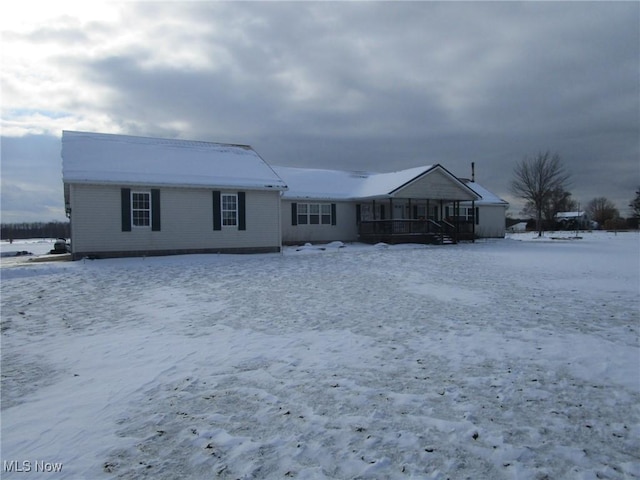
<point>319,183</point>
<point>518,227</point>
<point>122,159</point>
<point>345,185</point>
<point>488,198</point>
<point>567,215</point>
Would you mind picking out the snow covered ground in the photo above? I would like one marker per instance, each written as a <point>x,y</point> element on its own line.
<point>504,359</point>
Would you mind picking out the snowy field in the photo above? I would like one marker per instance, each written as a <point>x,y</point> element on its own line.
<point>504,359</point>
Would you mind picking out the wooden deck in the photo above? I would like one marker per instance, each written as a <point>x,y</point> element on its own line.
<point>414,231</point>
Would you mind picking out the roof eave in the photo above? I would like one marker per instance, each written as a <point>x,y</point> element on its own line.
<point>257,186</point>
<point>447,172</point>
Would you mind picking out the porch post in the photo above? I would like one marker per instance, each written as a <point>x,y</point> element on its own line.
<point>392,224</point>
<point>457,214</point>
<point>473,223</point>
<point>409,217</point>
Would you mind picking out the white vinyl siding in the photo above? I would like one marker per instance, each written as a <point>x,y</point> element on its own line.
<point>491,221</point>
<point>435,185</point>
<point>345,228</point>
<point>186,221</point>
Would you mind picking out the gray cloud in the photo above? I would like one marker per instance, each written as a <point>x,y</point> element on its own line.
<point>31,188</point>
<point>375,85</point>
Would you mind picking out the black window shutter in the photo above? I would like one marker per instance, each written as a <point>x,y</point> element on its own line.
<point>242,211</point>
<point>381,212</point>
<point>477,216</point>
<point>333,214</point>
<point>217,211</point>
<point>125,195</point>
<point>155,210</point>
<point>415,212</point>
<point>294,214</point>
<point>358,213</point>
<point>446,212</point>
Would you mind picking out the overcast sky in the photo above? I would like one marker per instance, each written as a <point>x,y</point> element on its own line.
<point>375,86</point>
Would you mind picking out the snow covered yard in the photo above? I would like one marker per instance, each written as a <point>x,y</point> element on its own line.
<point>513,359</point>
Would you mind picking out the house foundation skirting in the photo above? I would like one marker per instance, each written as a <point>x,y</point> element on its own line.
<point>159,253</point>
<point>422,238</point>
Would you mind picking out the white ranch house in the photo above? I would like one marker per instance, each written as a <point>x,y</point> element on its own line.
<point>134,196</point>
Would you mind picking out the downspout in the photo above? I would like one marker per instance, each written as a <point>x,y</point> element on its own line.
<point>280,222</point>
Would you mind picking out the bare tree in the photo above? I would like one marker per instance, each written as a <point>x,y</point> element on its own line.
<point>635,205</point>
<point>559,201</point>
<point>536,179</point>
<point>601,209</point>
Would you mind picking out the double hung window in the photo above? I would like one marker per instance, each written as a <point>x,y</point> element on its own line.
<point>141,209</point>
<point>314,213</point>
<point>229,210</point>
<point>467,213</point>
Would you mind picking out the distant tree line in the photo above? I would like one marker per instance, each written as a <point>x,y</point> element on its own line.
<point>543,183</point>
<point>18,231</point>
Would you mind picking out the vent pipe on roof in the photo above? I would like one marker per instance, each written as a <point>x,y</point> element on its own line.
<point>473,171</point>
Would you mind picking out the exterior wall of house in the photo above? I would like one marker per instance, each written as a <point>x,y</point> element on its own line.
<point>435,185</point>
<point>491,221</point>
<point>344,230</point>
<point>186,223</point>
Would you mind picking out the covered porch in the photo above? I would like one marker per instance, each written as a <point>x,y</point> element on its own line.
<point>410,220</point>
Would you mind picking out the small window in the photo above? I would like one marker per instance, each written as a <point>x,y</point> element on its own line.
<point>229,210</point>
<point>326,213</point>
<point>141,209</point>
<point>303,211</point>
<point>314,214</point>
<point>467,214</point>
